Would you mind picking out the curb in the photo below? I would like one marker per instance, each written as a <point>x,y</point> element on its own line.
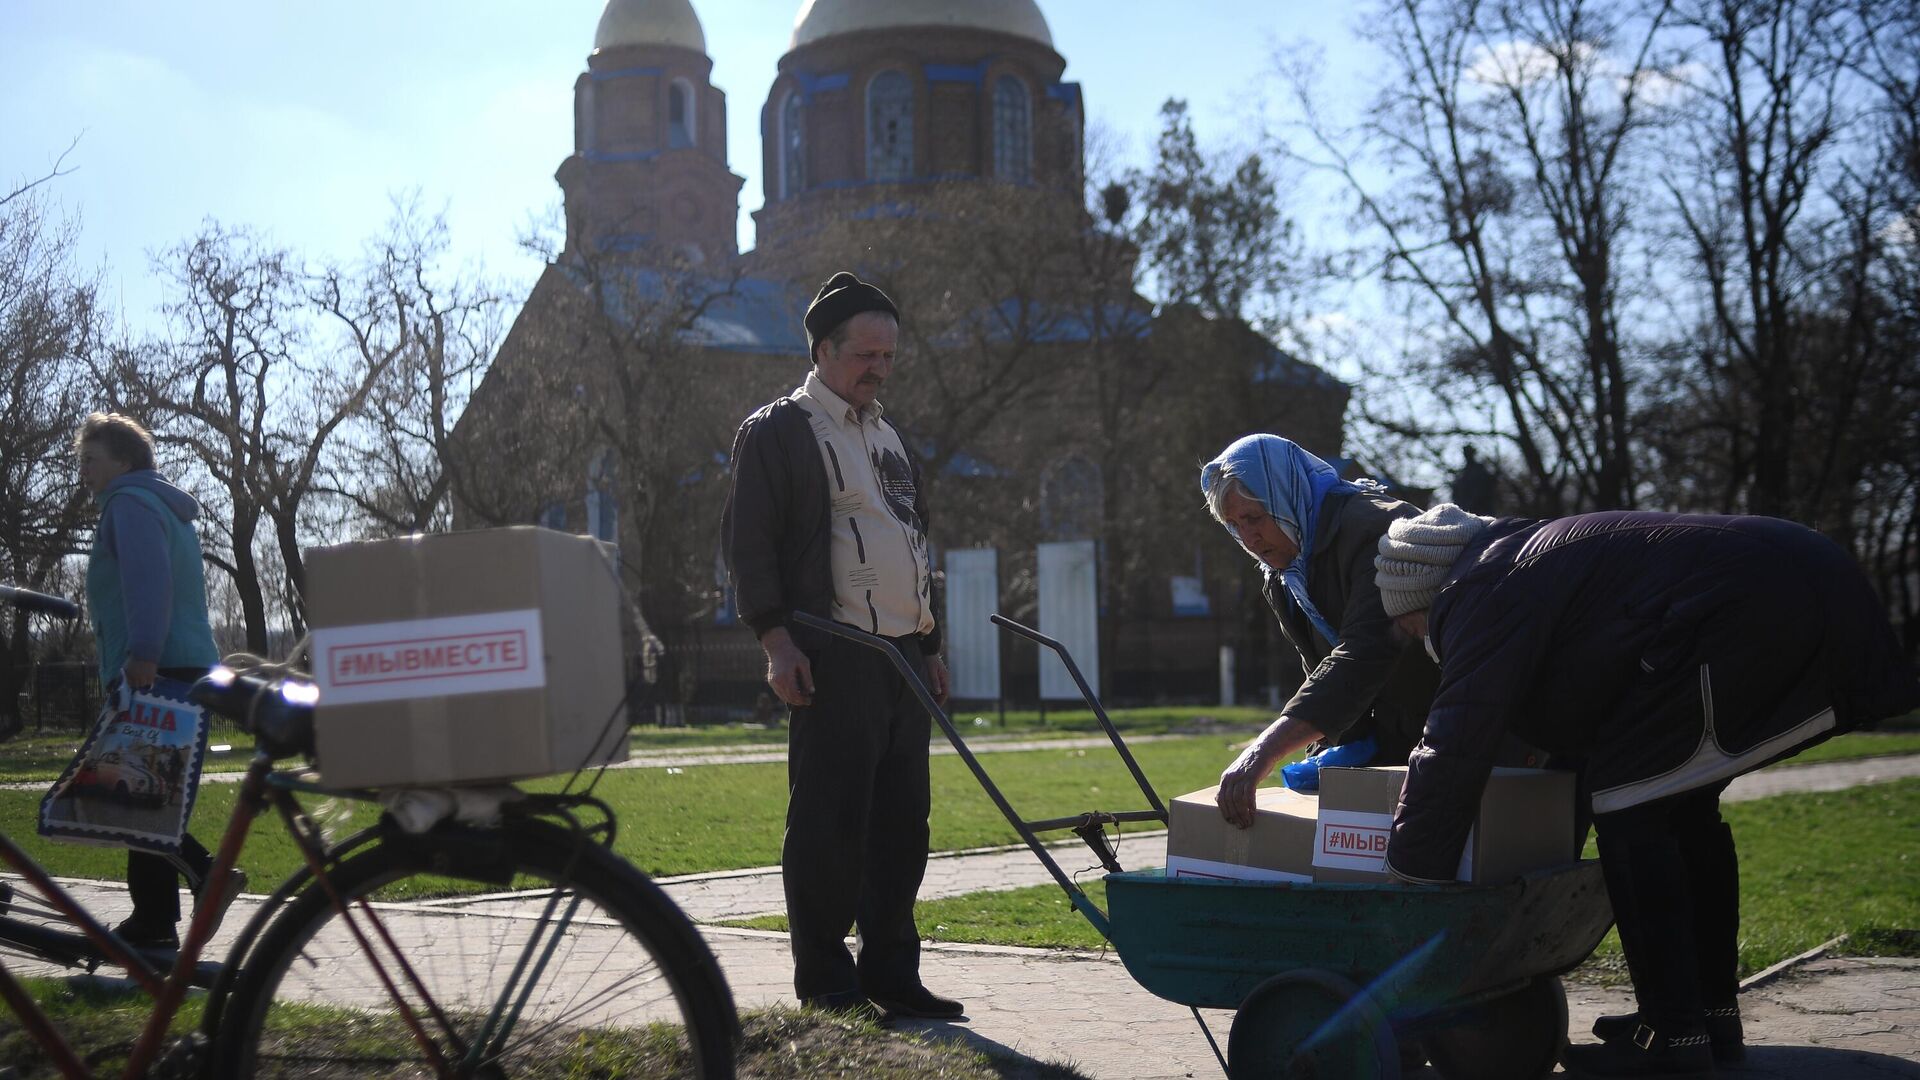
<point>1761,978</point>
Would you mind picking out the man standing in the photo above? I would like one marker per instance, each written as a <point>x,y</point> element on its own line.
<point>825,516</point>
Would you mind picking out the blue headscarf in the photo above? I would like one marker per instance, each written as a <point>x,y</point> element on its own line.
<point>1291,484</point>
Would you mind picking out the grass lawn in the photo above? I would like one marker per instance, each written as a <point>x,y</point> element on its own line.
<point>725,816</point>
<point>730,816</point>
<point>32,756</point>
<point>37,756</point>
<point>1812,867</point>
<point>100,1017</point>
<point>95,1016</point>
<point>1859,744</point>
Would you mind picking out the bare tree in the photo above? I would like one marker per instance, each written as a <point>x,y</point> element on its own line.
<point>1212,238</point>
<point>212,387</point>
<point>395,466</point>
<point>605,412</point>
<point>1507,134</point>
<point>54,172</point>
<point>1774,106</point>
<point>49,325</point>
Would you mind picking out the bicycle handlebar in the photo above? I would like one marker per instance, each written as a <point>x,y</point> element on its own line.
<point>28,600</point>
<point>278,713</point>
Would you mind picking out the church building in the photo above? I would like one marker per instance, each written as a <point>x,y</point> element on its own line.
<point>935,147</point>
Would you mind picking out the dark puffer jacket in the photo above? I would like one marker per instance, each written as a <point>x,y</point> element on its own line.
<point>1369,684</point>
<point>1666,652</point>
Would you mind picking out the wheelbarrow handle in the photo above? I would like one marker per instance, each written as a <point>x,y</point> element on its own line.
<point>892,652</point>
<point>1093,702</point>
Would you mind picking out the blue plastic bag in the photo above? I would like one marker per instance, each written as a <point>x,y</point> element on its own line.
<point>1304,776</point>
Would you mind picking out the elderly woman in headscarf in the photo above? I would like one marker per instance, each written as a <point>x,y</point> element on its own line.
<point>1315,535</point>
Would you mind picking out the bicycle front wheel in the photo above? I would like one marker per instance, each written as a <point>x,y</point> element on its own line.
<point>584,968</point>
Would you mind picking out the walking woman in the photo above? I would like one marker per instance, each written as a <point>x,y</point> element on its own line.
<point>147,599</point>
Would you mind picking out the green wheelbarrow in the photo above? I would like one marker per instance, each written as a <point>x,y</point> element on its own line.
<point>1326,980</point>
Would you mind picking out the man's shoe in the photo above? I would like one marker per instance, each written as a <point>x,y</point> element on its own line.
<point>919,1002</point>
<point>1724,1032</point>
<point>851,1004</point>
<point>1643,1052</point>
<point>145,935</point>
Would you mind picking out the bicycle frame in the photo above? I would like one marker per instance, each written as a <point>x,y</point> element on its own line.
<point>262,786</point>
<point>167,991</point>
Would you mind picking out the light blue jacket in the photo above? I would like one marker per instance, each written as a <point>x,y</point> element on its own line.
<point>146,584</point>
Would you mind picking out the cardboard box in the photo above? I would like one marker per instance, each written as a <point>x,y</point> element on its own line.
<point>1278,846</point>
<point>1525,823</point>
<point>465,657</point>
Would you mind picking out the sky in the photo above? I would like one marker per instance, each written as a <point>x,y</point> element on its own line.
<point>303,121</point>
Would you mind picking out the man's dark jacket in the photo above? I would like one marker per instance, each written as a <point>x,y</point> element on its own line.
<point>776,530</point>
<point>1666,651</point>
<point>1368,684</point>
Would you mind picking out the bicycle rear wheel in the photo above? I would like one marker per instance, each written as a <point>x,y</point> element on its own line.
<point>511,987</point>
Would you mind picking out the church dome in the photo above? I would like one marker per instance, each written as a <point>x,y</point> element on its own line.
<point>650,22</point>
<point>825,18</point>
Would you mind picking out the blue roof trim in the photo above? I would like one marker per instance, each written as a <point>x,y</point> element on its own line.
<point>625,73</point>
<point>764,317</point>
<point>625,241</point>
<point>1055,324</point>
<point>816,84</point>
<point>759,316</point>
<point>1289,370</point>
<point>935,178</point>
<point>959,73</point>
<point>599,156</point>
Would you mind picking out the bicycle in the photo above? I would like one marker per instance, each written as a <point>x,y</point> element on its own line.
<point>595,948</point>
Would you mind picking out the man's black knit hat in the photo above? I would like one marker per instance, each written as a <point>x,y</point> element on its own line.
<point>840,299</point>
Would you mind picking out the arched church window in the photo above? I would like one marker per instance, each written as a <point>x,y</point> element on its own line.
<point>680,117</point>
<point>583,133</point>
<point>889,127</point>
<point>1012,130</point>
<point>793,147</point>
<point>1072,499</point>
<point>603,507</point>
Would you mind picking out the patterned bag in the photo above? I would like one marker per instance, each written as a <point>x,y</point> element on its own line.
<point>135,778</point>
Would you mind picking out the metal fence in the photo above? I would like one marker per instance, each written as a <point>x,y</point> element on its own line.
<point>718,674</point>
<point>713,675</point>
<point>62,696</point>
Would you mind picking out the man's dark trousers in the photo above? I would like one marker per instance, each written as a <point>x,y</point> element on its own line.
<point>856,842</point>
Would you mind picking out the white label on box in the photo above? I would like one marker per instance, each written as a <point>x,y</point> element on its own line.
<point>416,658</point>
<point>1352,840</point>
<point>1357,840</point>
<point>1180,866</point>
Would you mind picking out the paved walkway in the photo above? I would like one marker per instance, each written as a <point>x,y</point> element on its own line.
<point>1844,1019</point>
<point>1841,1018</point>
<point>739,894</point>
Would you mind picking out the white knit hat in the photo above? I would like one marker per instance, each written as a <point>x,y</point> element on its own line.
<point>1417,553</point>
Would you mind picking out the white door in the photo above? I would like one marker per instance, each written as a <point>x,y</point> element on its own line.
<point>1070,614</point>
<point>973,643</point>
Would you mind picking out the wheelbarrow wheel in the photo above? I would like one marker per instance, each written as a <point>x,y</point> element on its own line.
<point>1310,1024</point>
<point>1517,1036</point>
